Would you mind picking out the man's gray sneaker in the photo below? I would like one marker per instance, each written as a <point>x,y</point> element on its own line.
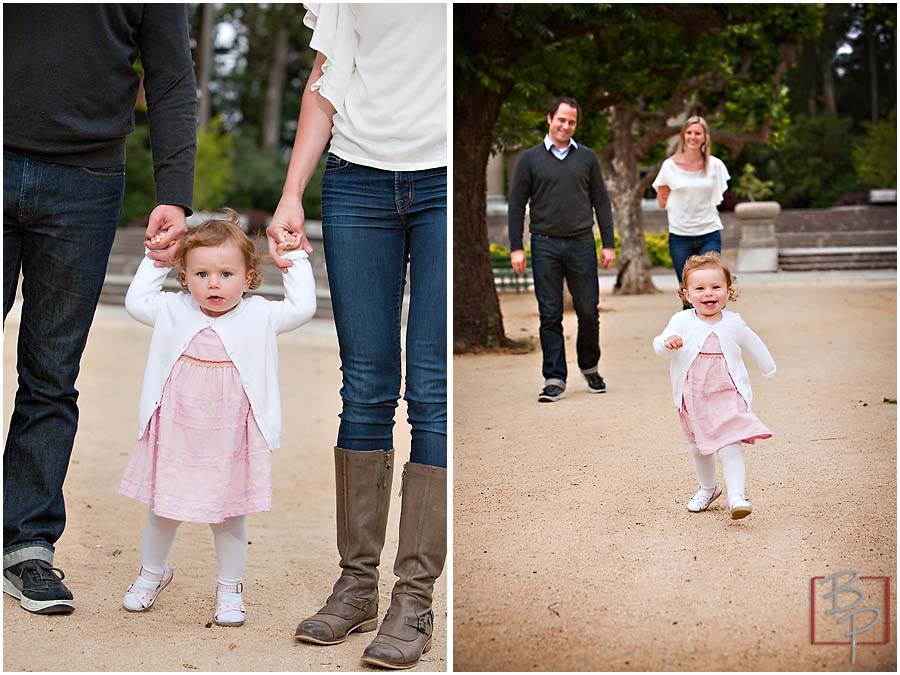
<point>551,393</point>
<point>595,383</point>
<point>38,587</point>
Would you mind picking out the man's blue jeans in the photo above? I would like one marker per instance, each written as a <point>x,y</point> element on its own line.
<point>377,223</point>
<point>59,223</point>
<point>575,260</point>
<point>681,248</point>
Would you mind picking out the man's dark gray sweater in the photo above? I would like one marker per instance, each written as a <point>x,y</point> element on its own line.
<point>564,195</point>
<point>69,87</point>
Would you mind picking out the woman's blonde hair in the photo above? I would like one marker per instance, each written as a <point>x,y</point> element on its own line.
<point>217,233</point>
<point>705,261</point>
<point>705,151</point>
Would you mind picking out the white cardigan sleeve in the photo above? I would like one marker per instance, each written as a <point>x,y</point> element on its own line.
<point>672,328</point>
<point>299,304</point>
<point>750,341</point>
<point>145,295</point>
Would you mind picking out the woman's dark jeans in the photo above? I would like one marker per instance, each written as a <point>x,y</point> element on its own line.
<point>59,223</point>
<point>376,224</point>
<point>681,248</point>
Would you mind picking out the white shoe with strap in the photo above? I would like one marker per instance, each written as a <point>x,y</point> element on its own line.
<point>703,498</point>
<point>230,610</point>
<point>141,595</point>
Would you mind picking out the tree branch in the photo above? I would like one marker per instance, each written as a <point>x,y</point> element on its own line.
<point>735,141</point>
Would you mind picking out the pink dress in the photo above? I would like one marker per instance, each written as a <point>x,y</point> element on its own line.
<point>713,413</point>
<point>202,457</point>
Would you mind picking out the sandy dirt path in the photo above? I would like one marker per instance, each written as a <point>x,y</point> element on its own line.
<point>573,546</point>
<point>292,559</point>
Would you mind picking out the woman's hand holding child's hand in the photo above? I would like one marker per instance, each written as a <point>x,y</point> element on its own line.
<point>673,342</point>
<point>288,241</point>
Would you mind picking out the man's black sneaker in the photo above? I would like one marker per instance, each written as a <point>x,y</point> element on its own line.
<point>38,588</point>
<point>596,385</point>
<point>551,393</point>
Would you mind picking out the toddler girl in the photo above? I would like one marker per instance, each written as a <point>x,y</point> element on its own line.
<point>210,408</point>
<point>710,383</point>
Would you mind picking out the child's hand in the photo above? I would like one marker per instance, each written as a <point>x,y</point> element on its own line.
<point>673,342</point>
<point>288,241</point>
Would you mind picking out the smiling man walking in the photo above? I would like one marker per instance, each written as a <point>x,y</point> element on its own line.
<point>563,183</point>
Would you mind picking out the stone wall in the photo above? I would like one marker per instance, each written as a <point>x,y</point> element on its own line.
<point>840,226</point>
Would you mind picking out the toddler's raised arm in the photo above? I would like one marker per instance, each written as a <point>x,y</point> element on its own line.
<point>299,304</point>
<point>145,295</point>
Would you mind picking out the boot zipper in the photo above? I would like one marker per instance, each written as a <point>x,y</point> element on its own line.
<point>402,477</point>
<point>385,470</point>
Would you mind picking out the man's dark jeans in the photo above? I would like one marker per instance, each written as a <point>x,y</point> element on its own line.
<point>59,223</point>
<point>575,260</point>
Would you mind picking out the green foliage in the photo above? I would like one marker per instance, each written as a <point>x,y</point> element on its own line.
<point>213,171</point>
<point>875,157</point>
<point>258,175</point>
<point>749,187</point>
<point>259,178</point>
<point>657,248</point>
<point>140,190</point>
<point>813,166</point>
<point>239,95</point>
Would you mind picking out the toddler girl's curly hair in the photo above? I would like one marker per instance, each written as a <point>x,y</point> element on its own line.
<point>216,233</point>
<point>707,260</point>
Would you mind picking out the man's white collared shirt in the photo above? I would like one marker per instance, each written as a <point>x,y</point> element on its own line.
<point>559,154</point>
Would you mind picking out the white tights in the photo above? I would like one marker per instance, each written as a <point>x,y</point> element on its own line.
<point>732,459</point>
<point>230,537</point>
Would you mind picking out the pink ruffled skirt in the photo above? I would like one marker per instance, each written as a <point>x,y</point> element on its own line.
<point>202,457</point>
<point>713,413</point>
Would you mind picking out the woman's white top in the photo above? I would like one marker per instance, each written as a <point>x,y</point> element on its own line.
<point>691,207</point>
<point>385,73</point>
<point>734,336</point>
<point>248,333</point>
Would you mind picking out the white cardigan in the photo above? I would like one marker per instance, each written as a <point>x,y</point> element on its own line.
<point>247,332</point>
<point>733,333</point>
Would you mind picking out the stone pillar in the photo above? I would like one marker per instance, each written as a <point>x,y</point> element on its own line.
<point>494,174</point>
<point>496,200</point>
<point>758,248</point>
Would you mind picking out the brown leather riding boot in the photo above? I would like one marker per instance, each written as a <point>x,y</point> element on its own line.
<point>363,494</point>
<point>405,633</point>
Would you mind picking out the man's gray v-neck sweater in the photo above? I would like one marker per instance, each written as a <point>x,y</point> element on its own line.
<point>70,86</point>
<point>564,195</point>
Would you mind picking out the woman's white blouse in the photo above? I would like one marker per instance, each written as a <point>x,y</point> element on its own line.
<point>691,208</point>
<point>385,73</point>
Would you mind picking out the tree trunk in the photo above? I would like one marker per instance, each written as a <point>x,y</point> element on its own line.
<point>271,130</point>
<point>828,89</point>
<point>624,186</point>
<point>477,321</point>
<point>873,70</point>
<point>204,62</point>
<point>811,108</point>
